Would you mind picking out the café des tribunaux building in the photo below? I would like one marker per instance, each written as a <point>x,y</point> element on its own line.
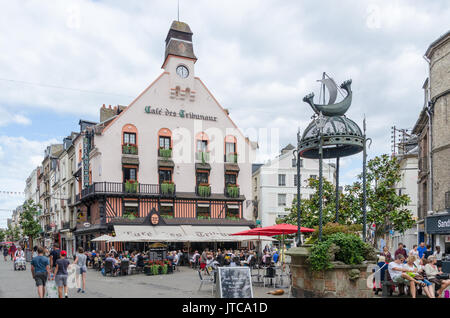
<point>170,167</point>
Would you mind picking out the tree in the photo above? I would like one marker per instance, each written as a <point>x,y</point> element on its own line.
<point>2,235</point>
<point>385,207</point>
<point>30,227</point>
<point>13,233</point>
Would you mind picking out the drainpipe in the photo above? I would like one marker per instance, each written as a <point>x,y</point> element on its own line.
<point>429,112</point>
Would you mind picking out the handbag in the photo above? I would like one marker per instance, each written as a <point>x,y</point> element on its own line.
<point>442,276</point>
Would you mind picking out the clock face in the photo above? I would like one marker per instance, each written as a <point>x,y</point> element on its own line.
<point>182,71</point>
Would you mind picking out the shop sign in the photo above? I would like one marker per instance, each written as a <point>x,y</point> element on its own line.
<point>438,224</point>
<point>161,111</point>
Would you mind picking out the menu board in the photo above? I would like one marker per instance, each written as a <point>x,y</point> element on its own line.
<point>235,282</point>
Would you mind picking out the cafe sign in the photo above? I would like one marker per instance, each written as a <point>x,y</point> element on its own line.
<point>438,224</point>
<point>162,111</point>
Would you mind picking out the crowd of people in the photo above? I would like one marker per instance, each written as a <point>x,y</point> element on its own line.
<point>418,268</point>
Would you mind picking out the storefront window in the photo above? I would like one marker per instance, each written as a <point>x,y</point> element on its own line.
<point>166,210</point>
<point>131,212</point>
<point>232,212</point>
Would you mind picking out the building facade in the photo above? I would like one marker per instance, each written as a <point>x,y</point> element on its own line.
<point>173,150</point>
<point>433,130</point>
<point>275,184</point>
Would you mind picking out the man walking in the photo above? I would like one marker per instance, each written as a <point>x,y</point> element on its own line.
<point>40,270</point>
<point>61,274</point>
<point>54,255</point>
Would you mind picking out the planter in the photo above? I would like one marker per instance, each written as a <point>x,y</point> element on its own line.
<point>204,191</point>
<point>343,281</point>
<point>165,153</point>
<point>129,149</point>
<point>233,191</point>
<point>131,187</point>
<point>167,188</point>
<point>202,156</point>
<point>231,158</point>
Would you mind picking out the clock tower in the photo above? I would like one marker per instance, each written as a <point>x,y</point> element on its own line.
<point>179,61</point>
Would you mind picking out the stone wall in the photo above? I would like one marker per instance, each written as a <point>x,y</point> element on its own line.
<point>335,283</point>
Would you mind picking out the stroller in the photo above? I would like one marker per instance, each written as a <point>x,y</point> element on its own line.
<point>20,264</point>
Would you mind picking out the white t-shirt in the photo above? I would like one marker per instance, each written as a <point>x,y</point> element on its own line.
<point>414,253</point>
<point>438,255</point>
<point>394,273</point>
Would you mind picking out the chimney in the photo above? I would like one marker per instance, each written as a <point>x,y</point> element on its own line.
<point>106,113</point>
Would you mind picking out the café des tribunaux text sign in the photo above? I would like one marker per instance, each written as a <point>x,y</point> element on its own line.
<point>161,111</point>
<point>438,224</point>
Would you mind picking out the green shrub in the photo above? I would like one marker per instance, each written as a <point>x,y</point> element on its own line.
<point>332,228</point>
<point>345,247</point>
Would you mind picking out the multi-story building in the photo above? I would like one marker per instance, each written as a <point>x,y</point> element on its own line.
<point>173,157</point>
<point>47,185</point>
<point>433,130</point>
<point>275,184</point>
<point>409,167</point>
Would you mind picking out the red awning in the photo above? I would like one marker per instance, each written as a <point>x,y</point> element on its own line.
<point>278,229</point>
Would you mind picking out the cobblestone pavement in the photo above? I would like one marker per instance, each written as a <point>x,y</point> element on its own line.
<point>182,284</point>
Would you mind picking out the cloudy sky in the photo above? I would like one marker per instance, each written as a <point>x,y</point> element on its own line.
<point>61,60</point>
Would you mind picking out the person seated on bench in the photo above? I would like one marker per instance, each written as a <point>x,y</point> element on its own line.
<point>399,275</point>
<point>432,272</point>
<point>415,272</point>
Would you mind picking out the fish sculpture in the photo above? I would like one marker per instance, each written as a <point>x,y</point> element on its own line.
<point>337,109</point>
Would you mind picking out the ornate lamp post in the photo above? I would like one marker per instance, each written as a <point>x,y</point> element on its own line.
<point>320,124</point>
<point>297,157</point>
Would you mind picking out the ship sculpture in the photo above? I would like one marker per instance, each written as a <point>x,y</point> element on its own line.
<point>331,109</point>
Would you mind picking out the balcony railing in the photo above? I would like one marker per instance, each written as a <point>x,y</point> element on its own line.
<point>232,191</point>
<point>231,158</point>
<point>202,156</point>
<point>48,228</point>
<point>65,225</point>
<point>123,188</point>
<point>203,190</point>
<point>165,153</point>
<point>129,149</point>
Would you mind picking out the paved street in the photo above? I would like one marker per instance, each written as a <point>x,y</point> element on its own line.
<point>182,284</point>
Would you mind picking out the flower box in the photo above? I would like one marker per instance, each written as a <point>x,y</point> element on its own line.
<point>167,187</point>
<point>131,186</point>
<point>204,190</point>
<point>233,191</point>
<point>165,153</point>
<point>129,149</point>
<point>231,158</point>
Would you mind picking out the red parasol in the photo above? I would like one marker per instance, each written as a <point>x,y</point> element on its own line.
<point>278,229</point>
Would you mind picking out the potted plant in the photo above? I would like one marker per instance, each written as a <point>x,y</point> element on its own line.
<point>167,187</point>
<point>165,153</point>
<point>204,190</point>
<point>131,186</point>
<point>232,190</point>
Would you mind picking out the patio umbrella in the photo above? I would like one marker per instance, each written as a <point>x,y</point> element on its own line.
<point>103,238</point>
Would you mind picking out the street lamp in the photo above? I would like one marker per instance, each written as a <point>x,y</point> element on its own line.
<point>365,140</point>
<point>320,123</point>
<point>296,154</point>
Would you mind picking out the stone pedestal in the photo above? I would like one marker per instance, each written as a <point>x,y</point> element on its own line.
<point>343,281</point>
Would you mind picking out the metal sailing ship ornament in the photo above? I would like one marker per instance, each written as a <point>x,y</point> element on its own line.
<point>331,109</point>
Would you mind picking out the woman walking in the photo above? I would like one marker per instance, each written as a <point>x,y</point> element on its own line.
<point>80,260</point>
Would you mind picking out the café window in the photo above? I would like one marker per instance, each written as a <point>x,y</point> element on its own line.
<point>165,175</point>
<point>129,174</point>
<point>230,178</point>
<point>232,211</point>
<point>131,211</point>
<point>202,177</point>
<point>129,138</point>
<point>166,209</point>
<point>164,142</point>
<point>203,210</point>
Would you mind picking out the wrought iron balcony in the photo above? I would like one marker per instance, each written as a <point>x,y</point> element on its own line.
<point>130,189</point>
<point>231,158</point>
<point>203,190</point>
<point>202,156</point>
<point>129,149</point>
<point>165,153</point>
<point>232,191</point>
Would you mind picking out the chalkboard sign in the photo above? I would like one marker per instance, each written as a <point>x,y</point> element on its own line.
<point>235,282</point>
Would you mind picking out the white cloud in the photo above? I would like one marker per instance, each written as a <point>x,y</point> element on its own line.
<point>7,118</point>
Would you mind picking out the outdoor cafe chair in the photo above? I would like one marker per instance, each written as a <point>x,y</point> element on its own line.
<point>206,280</point>
<point>270,275</point>
<point>124,265</point>
<point>109,268</point>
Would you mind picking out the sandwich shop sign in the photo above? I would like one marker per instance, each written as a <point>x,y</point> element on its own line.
<point>438,224</point>
<point>161,111</point>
